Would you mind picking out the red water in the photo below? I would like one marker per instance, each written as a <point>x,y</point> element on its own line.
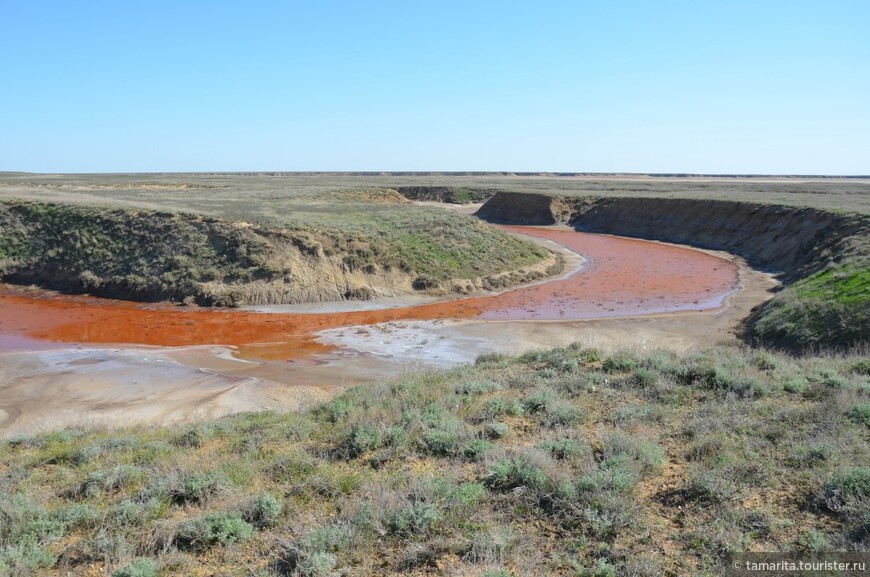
<point>622,277</point>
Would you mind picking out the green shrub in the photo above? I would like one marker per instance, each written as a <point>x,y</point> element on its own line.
<point>23,559</point>
<point>86,454</point>
<point>415,519</point>
<point>212,529</point>
<point>765,361</point>
<point>613,475</point>
<point>313,554</point>
<point>476,449</point>
<point>716,377</point>
<point>860,413</point>
<point>538,401</point>
<point>497,573</point>
<point>847,485</point>
<point>814,541</point>
<point>585,355</point>
<point>647,455</point>
<point>434,415</point>
<point>836,382</point>
<point>264,511</point>
<point>291,467</point>
<point>130,512</point>
<point>554,360</point>
<point>109,481</point>
<point>795,385</point>
<point>141,567</point>
<point>562,414</point>
<point>194,437</point>
<point>643,378</point>
<point>601,568</point>
<point>860,367</point>
<point>808,456</point>
<point>198,487</point>
<point>22,521</point>
<point>630,413</point>
<point>362,439</point>
<point>471,388</point>
<point>326,538</point>
<point>489,358</point>
<point>496,430</point>
<point>566,448</point>
<point>500,406</point>
<point>468,493</point>
<point>337,409</point>
<point>316,564</point>
<point>511,473</point>
<point>441,443</point>
<point>621,362</point>
<point>708,485</point>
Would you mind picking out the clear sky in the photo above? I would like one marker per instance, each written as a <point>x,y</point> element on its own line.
<point>708,87</point>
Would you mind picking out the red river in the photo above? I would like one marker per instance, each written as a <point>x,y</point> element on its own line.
<point>622,277</point>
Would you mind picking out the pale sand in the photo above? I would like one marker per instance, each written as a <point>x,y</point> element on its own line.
<point>113,387</point>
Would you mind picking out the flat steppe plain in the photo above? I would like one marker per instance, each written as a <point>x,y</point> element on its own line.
<point>236,193</point>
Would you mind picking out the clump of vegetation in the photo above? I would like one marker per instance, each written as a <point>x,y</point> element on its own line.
<point>830,308</point>
<point>212,529</point>
<point>496,467</point>
<point>141,567</point>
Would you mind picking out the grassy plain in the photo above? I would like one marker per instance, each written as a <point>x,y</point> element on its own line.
<point>560,462</point>
<point>230,195</point>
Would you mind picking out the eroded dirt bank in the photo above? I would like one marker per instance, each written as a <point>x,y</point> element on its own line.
<point>822,257</point>
<point>790,240</point>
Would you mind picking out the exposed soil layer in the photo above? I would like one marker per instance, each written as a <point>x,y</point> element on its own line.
<point>788,239</point>
<point>794,242</point>
<point>623,277</point>
<point>448,194</point>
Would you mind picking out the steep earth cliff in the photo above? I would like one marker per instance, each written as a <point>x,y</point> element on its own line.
<point>822,258</point>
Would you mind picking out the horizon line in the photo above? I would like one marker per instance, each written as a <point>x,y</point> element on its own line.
<point>542,173</point>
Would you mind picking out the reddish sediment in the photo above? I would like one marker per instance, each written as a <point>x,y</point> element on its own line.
<point>622,277</point>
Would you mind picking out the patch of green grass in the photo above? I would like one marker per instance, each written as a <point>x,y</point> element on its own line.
<point>830,308</point>
<point>847,285</point>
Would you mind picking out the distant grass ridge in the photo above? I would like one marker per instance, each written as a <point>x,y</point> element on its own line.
<point>554,463</point>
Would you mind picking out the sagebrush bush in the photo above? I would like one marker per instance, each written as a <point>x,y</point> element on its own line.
<point>218,528</point>
<point>197,487</point>
<point>141,567</point>
<point>263,511</point>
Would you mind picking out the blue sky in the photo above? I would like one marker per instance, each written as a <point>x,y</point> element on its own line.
<point>705,87</point>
